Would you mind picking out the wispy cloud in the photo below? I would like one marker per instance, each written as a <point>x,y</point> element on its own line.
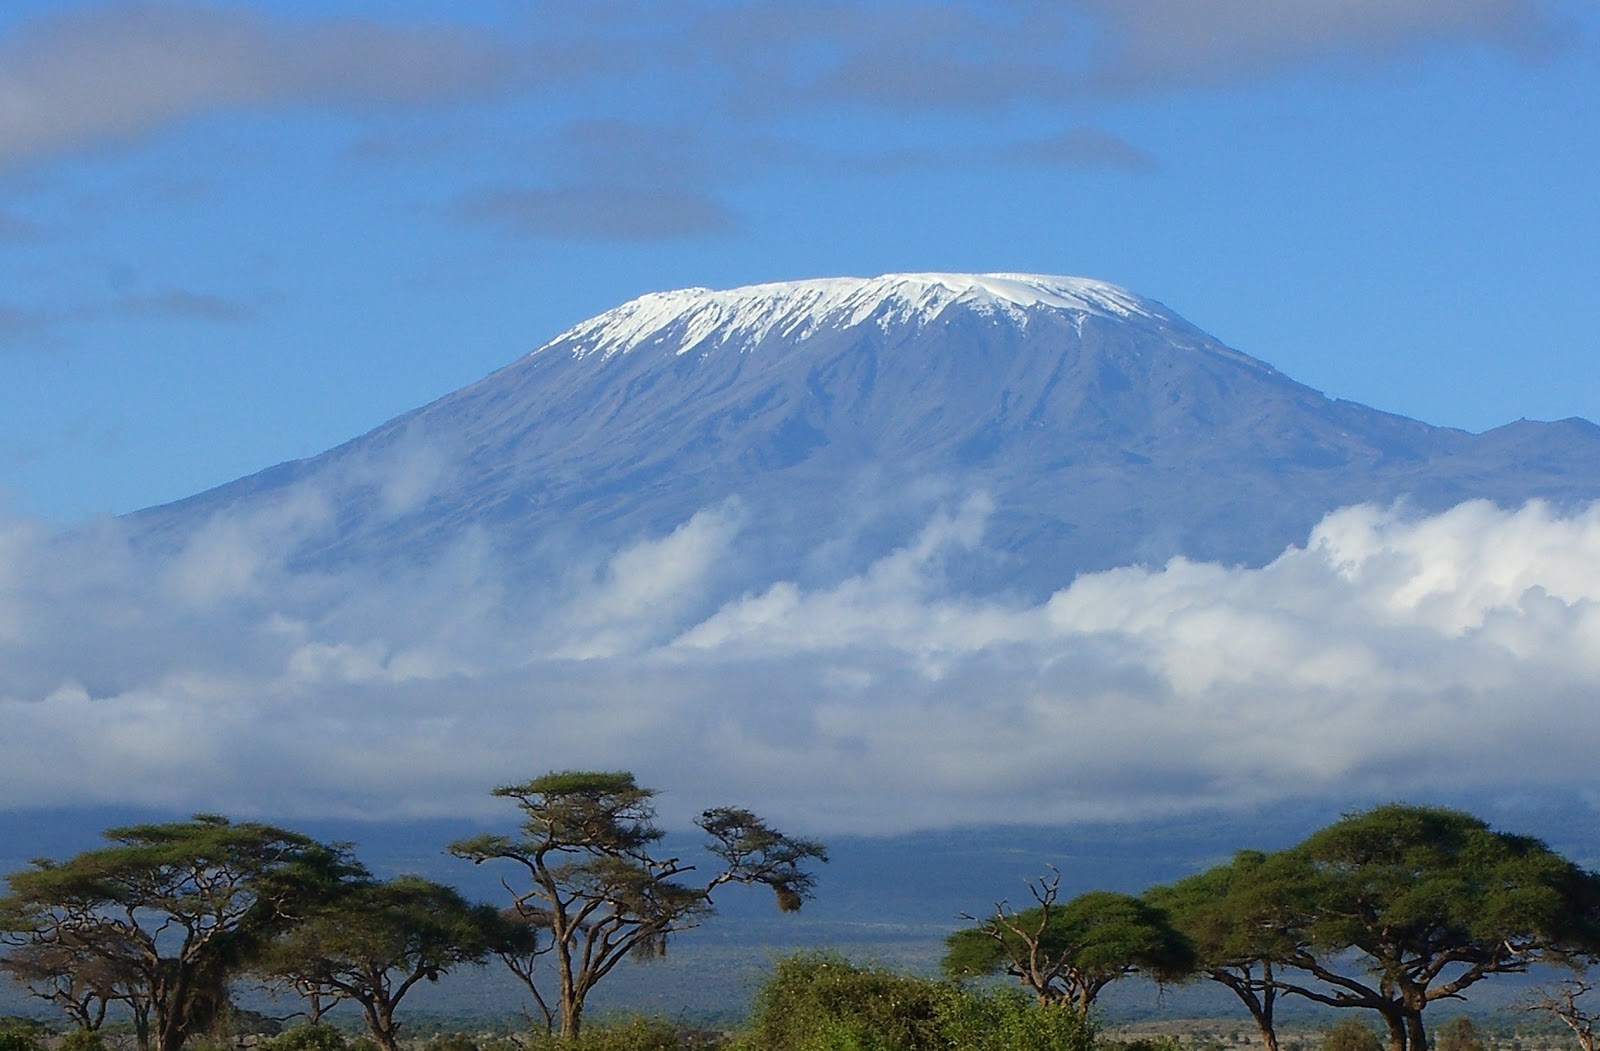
<point>1390,654</point>
<point>1155,45</point>
<point>114,74</point>
<point>22,325</point>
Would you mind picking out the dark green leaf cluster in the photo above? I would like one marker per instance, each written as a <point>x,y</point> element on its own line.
<point>1067,952</point>
<point>1390,909</point>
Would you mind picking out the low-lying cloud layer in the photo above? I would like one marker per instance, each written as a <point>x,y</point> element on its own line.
<point>1389,655</point>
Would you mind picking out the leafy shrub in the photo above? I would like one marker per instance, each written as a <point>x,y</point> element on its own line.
<point>1351,1035</point>
<point>1011,1020</point>
<point>17,1034</point>
<point>1459,1034</point>
<point>632,1034</point>
<point>823,1002</point>
<point>82,1040</point>
<point>316,1036</point>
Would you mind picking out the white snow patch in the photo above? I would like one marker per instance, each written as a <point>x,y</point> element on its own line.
<point>680,320</point>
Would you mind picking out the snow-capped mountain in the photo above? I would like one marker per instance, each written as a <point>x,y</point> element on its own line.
<point>834,416</point>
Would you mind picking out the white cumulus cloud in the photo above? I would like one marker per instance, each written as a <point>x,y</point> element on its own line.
<point>1389,654</point>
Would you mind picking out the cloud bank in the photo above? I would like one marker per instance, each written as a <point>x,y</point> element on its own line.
<point>118,73</point>
<point>1388,655</point>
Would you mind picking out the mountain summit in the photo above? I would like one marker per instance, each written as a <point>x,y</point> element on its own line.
<point>833,417</point>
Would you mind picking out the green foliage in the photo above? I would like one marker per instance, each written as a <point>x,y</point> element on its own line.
<point>1351,1034</point>
<point>317,1036</point>
<point>630,1034</point>
<point>451,1042</point>
<point>82,1040</point>
<point>1428,876</point>
<point>823,1002</point>
<point>1161,1042</point>
<point>164,916</point>
<point>375,942</point>
<point>18,1036</point>
<point>1459,1034</point>
<point>1070,951</point>
<point>1010,1020</point>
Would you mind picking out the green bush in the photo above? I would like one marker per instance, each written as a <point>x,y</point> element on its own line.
<point>1351,1035</point>
<point>631,1034</point>
<point>1011,1020</point>
<point>1160,1042</point>
<point>823,1002</point>
<point>82,1040</point>
<point>315,1036</point>
<point>1459,1034</point>
<point>19,1037</point>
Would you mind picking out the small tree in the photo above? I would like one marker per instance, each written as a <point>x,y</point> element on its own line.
<point>1069,952</point>
<point>1242,925</point>
<point>1562,1001</point>
<point>81,970</point>
<point>1402,906</point>
<point>594,882</point>
<point>375,942</point>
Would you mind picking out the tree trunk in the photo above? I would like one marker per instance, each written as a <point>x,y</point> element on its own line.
<point>1397,1031</point>
<point>380,1019</point>
<point>1416,1036</point>
<point>571,1010</point>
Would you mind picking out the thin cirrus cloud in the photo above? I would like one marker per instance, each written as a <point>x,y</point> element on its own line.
<point>1388,654</point>
<point>957,55</point>
<point>1155,45</point>
<point>112,75</point>
<point>117,73</point>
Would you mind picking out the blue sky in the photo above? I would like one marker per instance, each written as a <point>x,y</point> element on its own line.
<point>235,234</point>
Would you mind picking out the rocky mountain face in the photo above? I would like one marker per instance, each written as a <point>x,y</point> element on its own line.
<point>833,417</point>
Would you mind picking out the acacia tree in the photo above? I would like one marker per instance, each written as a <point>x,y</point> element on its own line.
<point>588,849</point>
<point>1242,927</point>
<point>170,912</point>
<point>522,941</point>
<point>1562,1001</point>
<point>1401,906</point>
<point>80,971</point>
<point>1068,952</point>
<point>375,942</point>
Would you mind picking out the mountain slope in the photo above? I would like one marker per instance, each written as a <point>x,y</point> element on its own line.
<point>838,414</point>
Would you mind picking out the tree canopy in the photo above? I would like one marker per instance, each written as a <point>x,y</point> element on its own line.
<point>163,917</point>
<point>1068,952</point>
<point>373,943</point>
<point>1390,909</point>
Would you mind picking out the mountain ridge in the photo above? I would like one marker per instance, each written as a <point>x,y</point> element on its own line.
<point>1106,428</point>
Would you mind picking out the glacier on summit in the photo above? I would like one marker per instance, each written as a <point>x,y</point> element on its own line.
<point>746,316</point>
